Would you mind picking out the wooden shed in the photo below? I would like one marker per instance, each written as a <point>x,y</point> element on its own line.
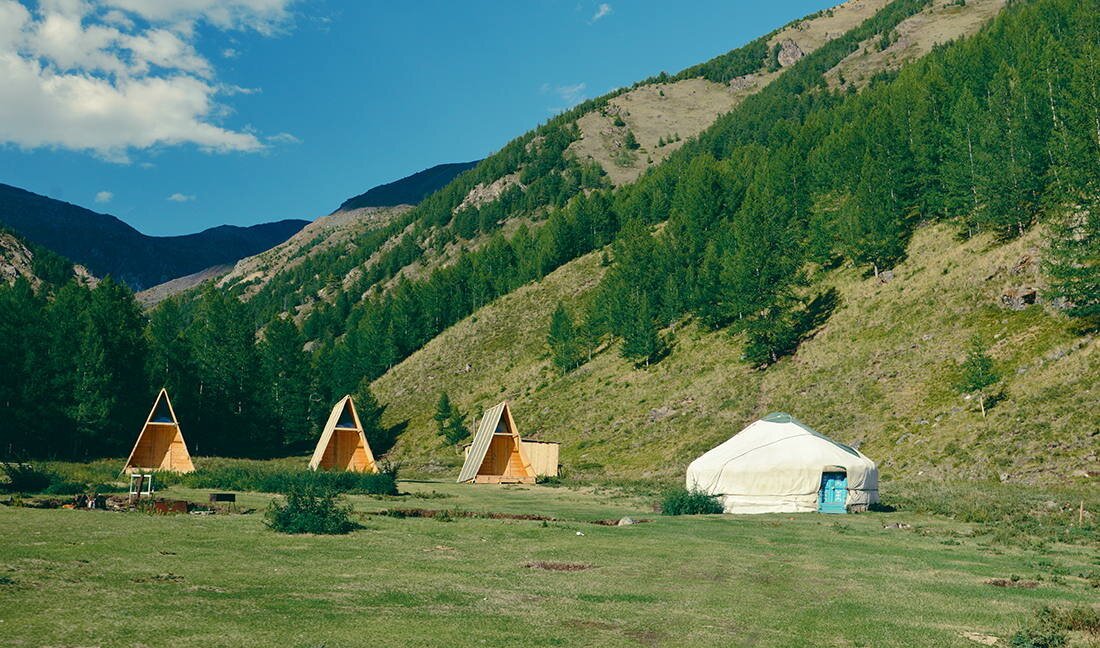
<point>160,445</point>
<point>498,454</point>
<point>343,443</point>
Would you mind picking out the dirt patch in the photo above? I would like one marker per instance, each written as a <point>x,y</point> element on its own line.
<point>558,566</point>
<point>645,637</point>
<point>984,639</point>
<point>158,578</point>
<point>1008,582</point>
<point>445,514</point>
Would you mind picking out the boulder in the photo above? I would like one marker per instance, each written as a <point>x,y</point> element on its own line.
<point>626,521</point>
<point>1019,298</point>
<point>789,53</point>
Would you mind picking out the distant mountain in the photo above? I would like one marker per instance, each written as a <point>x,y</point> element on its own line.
<point>409,190</point>
<point>108,246</point>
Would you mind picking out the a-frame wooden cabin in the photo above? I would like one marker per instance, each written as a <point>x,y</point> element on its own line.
<point>160,446</point>
<point>343,444</point>
<point>496,455</point>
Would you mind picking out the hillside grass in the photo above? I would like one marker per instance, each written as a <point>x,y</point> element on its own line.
<point>877,375</point>
<point>72,578</point>
<point>942,22</point>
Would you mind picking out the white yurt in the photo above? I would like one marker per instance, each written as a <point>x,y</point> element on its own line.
<point>779,464</point>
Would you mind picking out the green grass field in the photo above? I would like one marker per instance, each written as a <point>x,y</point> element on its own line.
<point>85,578</point>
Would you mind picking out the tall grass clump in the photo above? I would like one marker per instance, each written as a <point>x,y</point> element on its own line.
<point>1011,510</point>
<point>681,501</point>
<point>24,478</point>
<point>310,510</point>
<point>266,477</point>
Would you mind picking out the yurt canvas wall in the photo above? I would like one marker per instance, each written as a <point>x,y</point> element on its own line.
<point>779,464</point>
<point>343,443</point>
<point>160,444</point>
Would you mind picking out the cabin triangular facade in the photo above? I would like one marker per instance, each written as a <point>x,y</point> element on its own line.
<point>160,446</point>
<point>343,443</point>
<point>496,454</point>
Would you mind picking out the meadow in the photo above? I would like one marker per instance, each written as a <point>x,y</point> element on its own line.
<point>899,578</point>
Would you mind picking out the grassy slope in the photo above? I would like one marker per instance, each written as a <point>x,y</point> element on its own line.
<point>877,375</point>
<point>71,578</point>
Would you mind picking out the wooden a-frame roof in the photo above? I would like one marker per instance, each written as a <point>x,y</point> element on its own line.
<point>343,444</point>
<point>160,445</point>
<point>497,417</point>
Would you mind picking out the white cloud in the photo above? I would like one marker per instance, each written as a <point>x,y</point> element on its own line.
<point>572,94</point>
<point>180,198</point>
<point>104,197</point>
<point>264,16</point>
<point>283,138</point>
<point>603,10</point>
<point>113,76</point>
<point>230,53</point>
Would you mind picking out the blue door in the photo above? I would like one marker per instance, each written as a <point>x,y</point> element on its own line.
<point>833,494</point>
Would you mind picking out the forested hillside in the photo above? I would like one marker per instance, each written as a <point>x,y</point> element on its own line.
<point>741,231</point>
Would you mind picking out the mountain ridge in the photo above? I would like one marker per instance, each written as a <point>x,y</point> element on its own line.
<point>410,190</point>
<point>106,245</point>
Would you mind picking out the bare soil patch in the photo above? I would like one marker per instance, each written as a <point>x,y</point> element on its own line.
<point>558,566</point>
<point>1008,582</point>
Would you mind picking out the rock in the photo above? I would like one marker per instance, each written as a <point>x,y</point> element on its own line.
<point>984,639</point>
<point>1023,264</point>
<point>660,413</point>
<point>897,525</point>
<point>742,82</point>
<point>789,53</point>
<point>1019,298</point>
<point>626,521</point>
<point>886,276</point>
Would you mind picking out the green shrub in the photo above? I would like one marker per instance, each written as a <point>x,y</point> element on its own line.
<point>25,478</point>
<point>65,488</point>
<point>309,510</point>
<point>681,501</point>
<point>1081,619</point>
<point>1038,636</point>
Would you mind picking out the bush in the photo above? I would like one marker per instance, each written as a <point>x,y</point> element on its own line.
<point>25,478</point>
<point>1038,636</point>
<point>65,488</point>
<point>681,501</point>
<point>308,510</point>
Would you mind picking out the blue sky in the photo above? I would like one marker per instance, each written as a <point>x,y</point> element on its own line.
<point>178,115</point>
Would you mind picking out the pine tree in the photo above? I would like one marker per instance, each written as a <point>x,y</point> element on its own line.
<point>1073,263</point>
<point>286,372</point>
<point>641,341</point>
<point>872,229</point>
<point>111,390</point>
<point>380,438</point>
<point>631,142</point>
<point>228,419</point>
<point>449,421</point>
<point>564,341</point>
<point>976,373</point>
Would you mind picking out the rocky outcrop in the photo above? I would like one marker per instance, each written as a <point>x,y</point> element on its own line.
<point>789,53</point>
